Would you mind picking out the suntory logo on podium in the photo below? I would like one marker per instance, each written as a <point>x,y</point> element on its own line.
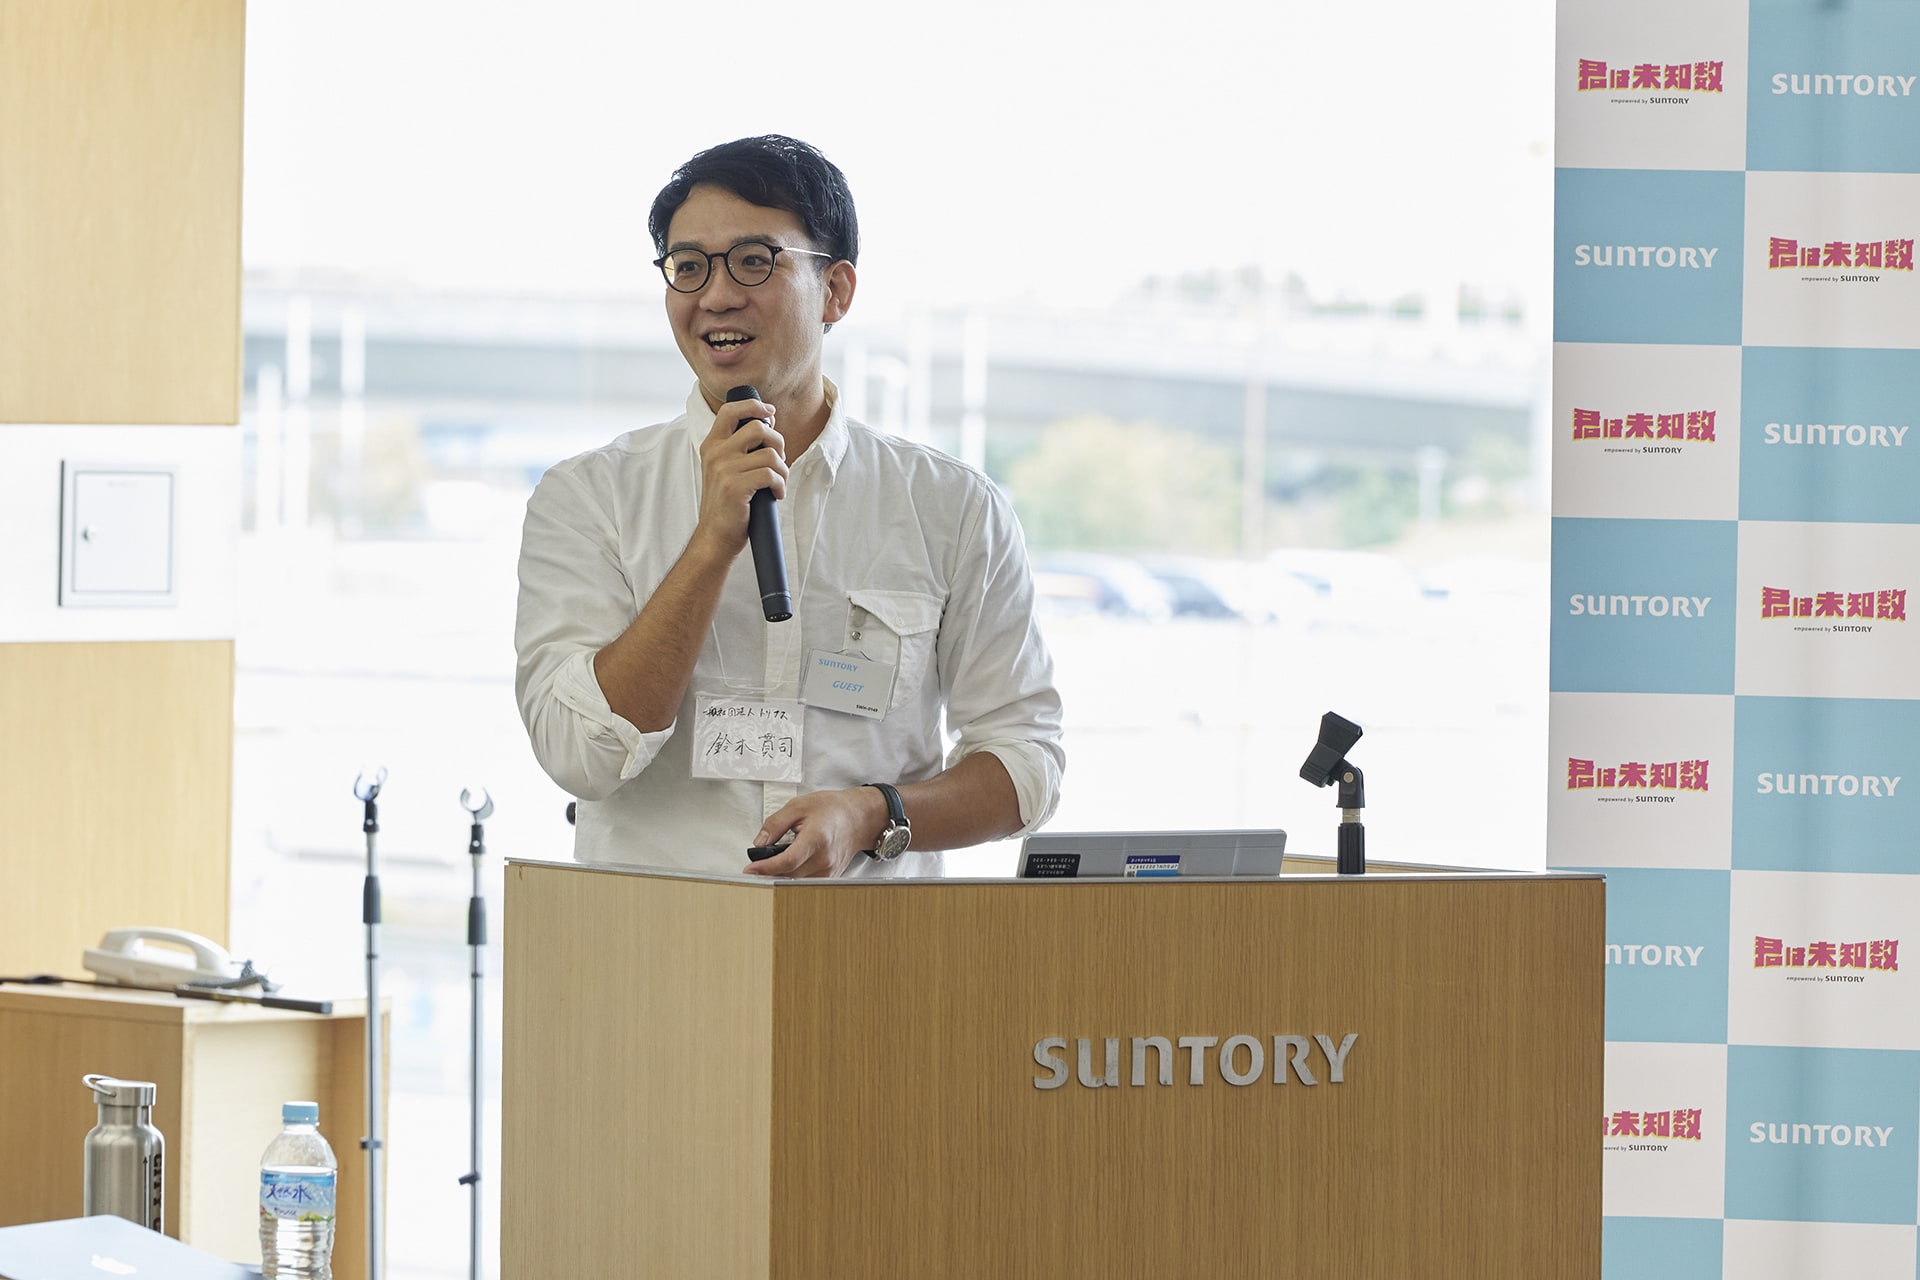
<point>1240,1060</point>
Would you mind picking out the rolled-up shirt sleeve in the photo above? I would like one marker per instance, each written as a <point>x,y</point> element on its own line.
<point>574,600</point>
<point>995,669</point>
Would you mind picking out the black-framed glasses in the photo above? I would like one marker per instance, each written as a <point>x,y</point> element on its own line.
<point>749,263</point>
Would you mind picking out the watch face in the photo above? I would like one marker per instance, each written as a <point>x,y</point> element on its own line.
<point>893,842</point>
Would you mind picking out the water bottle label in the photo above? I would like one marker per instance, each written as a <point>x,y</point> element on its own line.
<point>297,1197</point>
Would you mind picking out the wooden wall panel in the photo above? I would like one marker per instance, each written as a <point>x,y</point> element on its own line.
<point>116,779</point>
<point>120,124</point>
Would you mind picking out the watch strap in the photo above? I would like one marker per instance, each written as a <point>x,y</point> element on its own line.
<point>896,820</point>
<point>896,810</point>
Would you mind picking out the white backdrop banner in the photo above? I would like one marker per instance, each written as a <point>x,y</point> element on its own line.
<point>1735,707</point>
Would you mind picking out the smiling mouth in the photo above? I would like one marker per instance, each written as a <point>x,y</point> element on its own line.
<point>727,341</point>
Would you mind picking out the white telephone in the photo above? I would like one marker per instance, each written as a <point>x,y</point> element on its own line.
<point>160,958</point>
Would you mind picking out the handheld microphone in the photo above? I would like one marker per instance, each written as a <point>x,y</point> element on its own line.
<point>763,531</point>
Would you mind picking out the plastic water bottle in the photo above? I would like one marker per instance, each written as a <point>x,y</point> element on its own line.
<point>297,1177</point>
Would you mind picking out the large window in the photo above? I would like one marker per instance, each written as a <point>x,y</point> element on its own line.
<point>1244,305</point>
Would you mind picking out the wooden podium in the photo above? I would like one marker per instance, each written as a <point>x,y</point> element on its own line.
<point>835,1080</point>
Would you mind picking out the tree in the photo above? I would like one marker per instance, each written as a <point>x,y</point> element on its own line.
<point>1098,485</point>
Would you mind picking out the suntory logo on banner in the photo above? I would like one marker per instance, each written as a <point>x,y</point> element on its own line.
<point>1664,433</point>
<point>1658,256</point>
<point>1670,83</point>
<point>1820,1135</point>
<point>1839,83</point>
<point>1840,261</point>
<point>1648,779</point>
<point>1836,435</point>
<point>1871,786</point>
<point>1841,611</point>
<point>1619,606</point>
<point>1827,961</point>
<point>1650,1130</point>
<point>1654,955</point>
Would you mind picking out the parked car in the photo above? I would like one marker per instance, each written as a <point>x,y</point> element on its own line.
<point>1093,582</point>
<point>1358,589</point>
<point>1217,587</point>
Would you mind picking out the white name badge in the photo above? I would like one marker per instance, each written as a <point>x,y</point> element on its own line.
<point>848,682</point>
<point>746,739</point>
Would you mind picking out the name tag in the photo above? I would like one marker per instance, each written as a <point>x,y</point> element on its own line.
<point>848,682</point>
<point>746,739</point>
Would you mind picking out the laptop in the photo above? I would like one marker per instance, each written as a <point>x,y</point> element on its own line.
<point>1151,855</point>
<point>104,1247</point>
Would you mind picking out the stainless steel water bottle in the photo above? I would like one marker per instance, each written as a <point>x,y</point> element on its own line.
<point>125,1154</point>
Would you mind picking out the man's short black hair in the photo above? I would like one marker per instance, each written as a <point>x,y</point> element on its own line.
<point>774,172</point>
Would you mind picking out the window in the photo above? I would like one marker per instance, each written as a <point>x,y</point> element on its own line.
<point>1244,304</point>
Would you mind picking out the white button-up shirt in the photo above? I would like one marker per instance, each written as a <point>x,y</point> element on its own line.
<point>894,550</point>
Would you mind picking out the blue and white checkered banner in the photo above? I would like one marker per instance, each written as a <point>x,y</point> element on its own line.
<point>1735,713</point>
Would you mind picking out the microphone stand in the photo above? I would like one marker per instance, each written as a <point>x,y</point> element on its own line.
<point>1327,764</point>
<point>480,810</point>
<point>1352,851</point>
<point>366,791</point>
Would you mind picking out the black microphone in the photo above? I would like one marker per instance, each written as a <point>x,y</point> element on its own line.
<point>763,531</point>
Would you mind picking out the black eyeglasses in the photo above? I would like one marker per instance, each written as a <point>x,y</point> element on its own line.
<point>749,263</point>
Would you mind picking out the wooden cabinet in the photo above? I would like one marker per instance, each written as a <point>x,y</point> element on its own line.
<point>221,1071</point>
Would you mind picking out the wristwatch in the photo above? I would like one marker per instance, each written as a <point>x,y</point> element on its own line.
<point>898,833</point>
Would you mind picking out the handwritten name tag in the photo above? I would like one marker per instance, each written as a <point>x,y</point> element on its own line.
<point>848,682</point>
<point>746,739</point>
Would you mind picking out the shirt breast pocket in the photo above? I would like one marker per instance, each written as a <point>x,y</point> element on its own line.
<point>897,627</point>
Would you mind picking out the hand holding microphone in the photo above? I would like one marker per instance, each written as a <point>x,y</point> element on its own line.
<point>763,534</point>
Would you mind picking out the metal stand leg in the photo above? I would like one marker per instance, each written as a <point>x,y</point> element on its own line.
<point>480,808</point>
<point>366,791</point>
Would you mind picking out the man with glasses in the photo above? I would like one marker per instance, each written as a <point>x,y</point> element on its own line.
<point>906,707</point>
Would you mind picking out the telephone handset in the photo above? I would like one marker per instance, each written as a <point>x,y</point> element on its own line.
<point>161,958</point>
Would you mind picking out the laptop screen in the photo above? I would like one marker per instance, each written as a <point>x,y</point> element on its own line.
<point>1151,855</point>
